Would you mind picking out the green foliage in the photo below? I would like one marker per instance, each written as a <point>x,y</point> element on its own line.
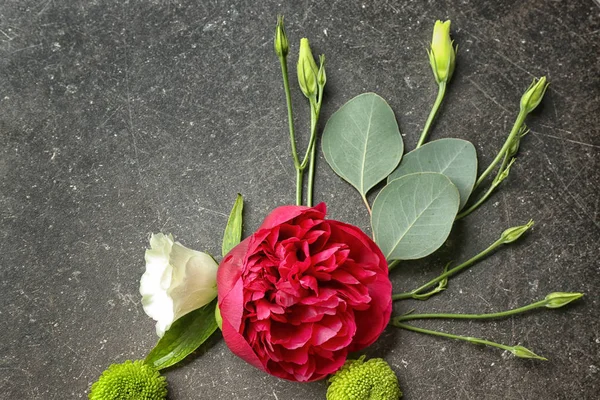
<point>233,230</point>
<point>413,215</point>
<point>184,336</point>
<point>455,158</point>
<point>362,142</point>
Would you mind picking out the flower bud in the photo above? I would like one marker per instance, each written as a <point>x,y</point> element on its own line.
<point>307,70</point>
<point>559,299</point>
<point>321,75</point>
<point>523,352</point>
<point>504,174</point>
<point>442,53</point>
<point>534,94</point>
<point>281,42</point>
<point>512,234</point>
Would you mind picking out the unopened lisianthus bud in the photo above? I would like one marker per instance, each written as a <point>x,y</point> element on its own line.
<point>307,70</point>
<point>512,234</point>
<point>321,75</point>
<point>442,53</point>
<point>281,42</point>
<point>559,299</point>
<point>534,94</point>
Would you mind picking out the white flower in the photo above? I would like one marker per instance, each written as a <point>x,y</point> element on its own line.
<point>177,280</point>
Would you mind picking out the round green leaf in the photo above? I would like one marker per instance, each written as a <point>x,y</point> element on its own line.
<point>413,215</point>
<point>455,158</point>
<point>362,142</point>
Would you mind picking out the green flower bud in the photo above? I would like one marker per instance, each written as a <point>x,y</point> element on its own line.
<point>504,174</point>
<point>130,380</point>
<point>442,53</point>
<point>512,234</point>
<point>559,299</point>
<point>307,70</point>
<point>534,94</point>
<point>522,352</point>
<point>359,380</point>
<point>281,42</point>
<point>321,75</point>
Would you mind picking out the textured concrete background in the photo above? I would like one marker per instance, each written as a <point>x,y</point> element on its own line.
<point>122,118</point>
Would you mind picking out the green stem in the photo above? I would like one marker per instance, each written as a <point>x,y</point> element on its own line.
<point>502,314</point>
<point>414,293</point>
<point>515,130</point>
<point>315,111</point>
<point>451,336</point>
<point>288,99</point>
<point>299,178</point>
<point>311,177</point>
<point>393,264</point>
<point>488,192</point>
<point>432,113</point>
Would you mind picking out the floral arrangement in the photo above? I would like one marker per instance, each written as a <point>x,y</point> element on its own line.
<point>303,293</point>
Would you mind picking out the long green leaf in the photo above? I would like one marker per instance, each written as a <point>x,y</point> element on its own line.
<point>362,142</point>
<point>413,215</point>
<point>455,158</point>
<point>184,336</point>
<point>233,230</point>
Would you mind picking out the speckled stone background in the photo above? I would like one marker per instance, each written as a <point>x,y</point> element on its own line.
<point>122,118</point>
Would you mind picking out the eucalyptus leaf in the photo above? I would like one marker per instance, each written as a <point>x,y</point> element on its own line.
<point>413,215</point>
<point>233,230</point>
<point>362,142</point>
<point>183,337</point>
<point>455,158</point>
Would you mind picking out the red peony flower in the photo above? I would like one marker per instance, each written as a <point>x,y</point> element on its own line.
<point>302,292</point>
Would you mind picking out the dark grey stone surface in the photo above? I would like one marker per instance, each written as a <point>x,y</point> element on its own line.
<point>122,118</point>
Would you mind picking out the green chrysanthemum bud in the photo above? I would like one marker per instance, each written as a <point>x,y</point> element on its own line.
<point>559,299</point>
<point>281,43</point>
<point>512,234</point>
<point>129,381</point>
<point>534,94</point>
<point>442,54</point>
<point>307,70</point>
<point>359,380</point>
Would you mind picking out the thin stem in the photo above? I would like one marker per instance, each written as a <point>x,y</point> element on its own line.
<point>288,99</point>
<point>479,202</point>
<point>455,270</point>
<point>515,130</point>
<point>501,314</point>
<point>393,264</point>
<point>451,336</point>
<point>432,113</point>
<point>311,177</point>
<point>315,111</point>
<point>488,192</point>
<point>364,198</point>
<point>299,180</point>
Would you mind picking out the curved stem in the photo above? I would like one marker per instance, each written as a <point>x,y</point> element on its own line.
<point>502,314</point>
<point>455,270</point>
<point>516,350</point>
<point>432,113</point>
<point>479,202</point>
<point>515,130</point>
<point>288,99</point>
<point>393,264</point>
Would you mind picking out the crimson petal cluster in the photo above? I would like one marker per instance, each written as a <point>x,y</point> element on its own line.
<point>302,292</point>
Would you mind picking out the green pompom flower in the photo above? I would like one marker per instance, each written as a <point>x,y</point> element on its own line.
<point>359,380</point>
<point>130,381</point>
